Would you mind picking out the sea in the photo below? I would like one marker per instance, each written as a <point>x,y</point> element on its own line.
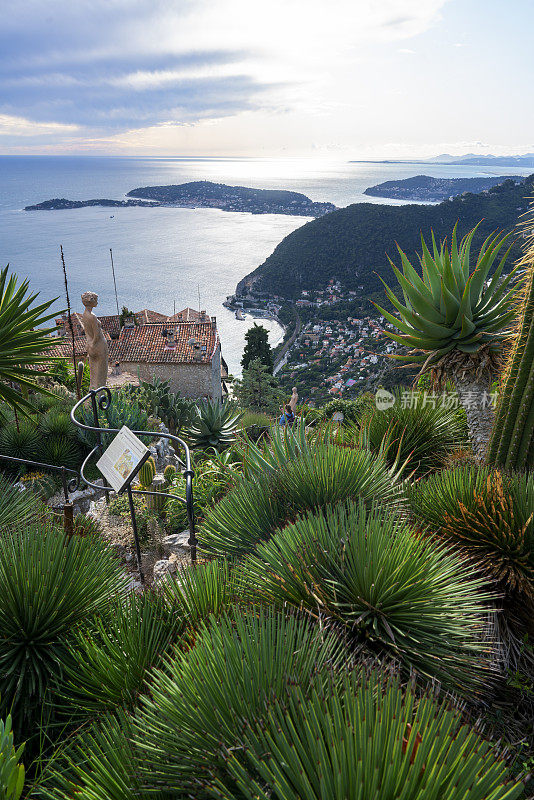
<point>168,258</point>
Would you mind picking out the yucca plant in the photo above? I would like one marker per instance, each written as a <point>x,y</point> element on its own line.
<point>215,426</point>
<point>489,514</point>
<point>56,423</point>
<point>16,507</point>
<point>87,525</point>
<point>284,445</point>
<point>50,584</point>
<point>20,440</point>
<point>24,343</point>
<point>421,433</point>
<point>109,662</point>
<point>256,507</point>
<point>454,321</point>
<point>11,771</point>
<point>366,569</point>
<point>214,691</point>
<point>63,451</point>
<point>370,739</point>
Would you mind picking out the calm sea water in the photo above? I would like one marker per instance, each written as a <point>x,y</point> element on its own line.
<point>166,257</point>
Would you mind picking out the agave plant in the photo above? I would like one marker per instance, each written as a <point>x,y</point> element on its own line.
<point>452,319</point>
<point>62,451</point>
<point>370,739</point>
<point>25,343</point>
<point>367,570</point>
<point>284,445</point>
<point>255,508</point>
<point>11,772</point>
<point>56,423</point>
<point>215,425</point>
<point>20,440</point>
<point>50,584</point>
<point>212,692</point>
<point>109,663</point>
<point>488,513</point>
<point>16,507</point>
<point>421,434</point>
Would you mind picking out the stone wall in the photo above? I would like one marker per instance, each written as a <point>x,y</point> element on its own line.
<point>190,380</point>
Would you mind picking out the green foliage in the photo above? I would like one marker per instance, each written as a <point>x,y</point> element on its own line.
<point>255,419</point>
<point>324,476</point>
<point>351,410</point>
<point>16,508</point>
<point>123,410</point>
<point>350,244</point>
<point>186,722</point>
<point>512,440</point>
<point>169,473</point>
<point>258,390</point>
<point>366,569</point>
<point>487,513</point>
<point>85,525</point>
<point>109,662</point>
<point>56,423</point>
<point>62,451</point>
<point>22,441</point>
<point>215,425</point>
<point>369,739</point>
<point>257,347</point>
<point>63,372</point>
<point>174,411</point>
<point>126,314</point>
<point>11,772</point>
<point>211,482</point>
<point>25,343</point>
<point>449,307</point>
<point>147,472</point>
<point>43,484</point>
<point>50,584</point>
<point>283,445</point>
<point>418,433</point>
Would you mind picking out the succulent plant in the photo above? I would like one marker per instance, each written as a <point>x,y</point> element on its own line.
<point>215,426</point>
<point>147,472</point>
<point>448,310</point>
<point>169,473</point>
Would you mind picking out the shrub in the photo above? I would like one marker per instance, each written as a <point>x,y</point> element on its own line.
<point>61,451</point>
<point>57,424</point>
<point>284,445</point>
<point>215,426</point>
<point>22,441</point>
<point>123,410</point>
<point>243,660</point>
<point>367,570</point>
<point>255,508</point>
<point>109,663</point>
<point>50,584</point>
<point>371,739</point>
<point>418,433</point>
<point>255,419</point>
<point>488,513</point>
<point>211,482</point>
<point>11,772</point>
<point>16,507</point>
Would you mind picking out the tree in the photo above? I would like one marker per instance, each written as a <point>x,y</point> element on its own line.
<point>257,346</point>
<point>23,343</point>
<point>258,390</point>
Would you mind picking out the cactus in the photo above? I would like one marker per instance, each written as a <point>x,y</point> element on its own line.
<point>169,473</point>
<point>512,441</point>
<point>147,472</point>
<point>156,503</point>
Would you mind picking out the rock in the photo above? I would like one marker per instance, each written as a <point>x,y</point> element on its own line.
<point>164,568</point>
<point>177,544</point>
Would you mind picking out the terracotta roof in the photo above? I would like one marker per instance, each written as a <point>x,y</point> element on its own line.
<point>110,322</point>
<point>195,343</point>
<point>189,315</point>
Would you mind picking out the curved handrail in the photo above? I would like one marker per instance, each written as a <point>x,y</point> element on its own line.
<point>103,402</point>
<point>68,486</point>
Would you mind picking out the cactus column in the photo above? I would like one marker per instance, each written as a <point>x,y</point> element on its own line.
<point>512,441</point>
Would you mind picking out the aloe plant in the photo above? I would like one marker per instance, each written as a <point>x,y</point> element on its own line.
<point>371,739</point>
<point>11,771</point>
<point>366,569</point>
<point>215,426</point>
<point>454,321</point>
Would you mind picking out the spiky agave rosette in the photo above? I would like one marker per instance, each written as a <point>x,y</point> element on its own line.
<point>454,319</point>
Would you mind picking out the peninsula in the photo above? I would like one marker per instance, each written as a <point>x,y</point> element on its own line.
<point>423,188</point>
<point>205,194</point>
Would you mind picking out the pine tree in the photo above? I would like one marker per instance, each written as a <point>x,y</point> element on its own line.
<point>257,339</point>
<point>258,390</point>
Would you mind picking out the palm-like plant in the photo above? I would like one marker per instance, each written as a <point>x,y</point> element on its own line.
<point>215,690</point>
<point>109,662</point>
<point>23,342</point>
<point>215,426</point>
<point>489,514</point>
<point>452,319</point>
<point>256,507</point>
<point>367,570</point>
<point>370,739</point>
<point>49,585</point>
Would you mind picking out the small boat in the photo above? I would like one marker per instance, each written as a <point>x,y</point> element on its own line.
<point>112,216</point>
<point>239,314</point>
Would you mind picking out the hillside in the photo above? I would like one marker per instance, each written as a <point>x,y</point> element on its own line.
<point>425,188</point>
<point>351,244</point>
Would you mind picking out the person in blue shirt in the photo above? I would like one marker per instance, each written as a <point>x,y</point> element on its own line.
<point>287,417</point>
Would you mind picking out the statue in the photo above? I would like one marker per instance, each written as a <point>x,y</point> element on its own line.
<point>294,400</point>
<point>97,347</point>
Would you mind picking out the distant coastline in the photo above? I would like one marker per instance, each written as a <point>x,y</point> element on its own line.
<point>423,188</point>
<point>204,194</point>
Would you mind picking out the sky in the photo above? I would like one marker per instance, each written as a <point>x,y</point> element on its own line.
<point>274,78</point>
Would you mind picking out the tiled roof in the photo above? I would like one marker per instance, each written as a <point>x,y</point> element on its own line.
<point>189,315</point>
<point>194,343</point>
<point>110,322</point>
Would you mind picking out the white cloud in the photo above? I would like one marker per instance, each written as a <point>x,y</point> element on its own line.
<point>18,126</point>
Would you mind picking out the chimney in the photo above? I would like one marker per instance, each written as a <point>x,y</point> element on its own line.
<point>214,323</point>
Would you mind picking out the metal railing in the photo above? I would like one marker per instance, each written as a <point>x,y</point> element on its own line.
<point>100,399</point>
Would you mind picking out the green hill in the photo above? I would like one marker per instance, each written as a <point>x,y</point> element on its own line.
<point>352,244</point>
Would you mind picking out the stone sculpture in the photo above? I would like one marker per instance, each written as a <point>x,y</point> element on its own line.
<point>294,400</point>
<point>97,347</point>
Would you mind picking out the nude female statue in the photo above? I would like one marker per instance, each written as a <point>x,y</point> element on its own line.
<point>294,400</point>
<point>97,347</point>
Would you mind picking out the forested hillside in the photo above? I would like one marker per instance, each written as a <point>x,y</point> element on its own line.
<point>352,244</point>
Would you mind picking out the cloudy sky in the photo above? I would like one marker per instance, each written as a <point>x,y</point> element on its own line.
<point>347,78</point>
